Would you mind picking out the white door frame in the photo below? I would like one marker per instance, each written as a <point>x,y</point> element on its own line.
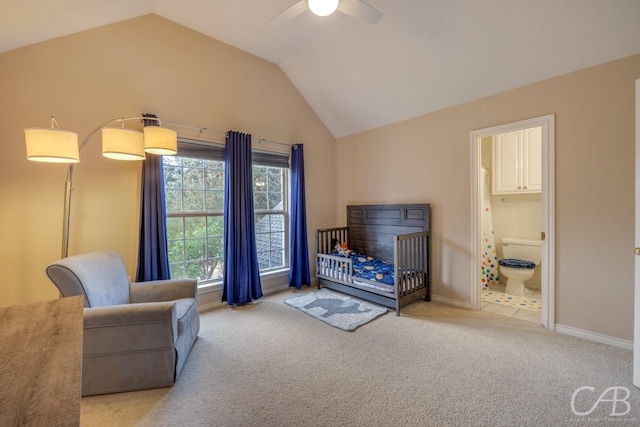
<point>547,281</point>
<point>636,319</point>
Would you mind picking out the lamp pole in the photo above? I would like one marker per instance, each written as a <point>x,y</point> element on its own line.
<point>68,186</point>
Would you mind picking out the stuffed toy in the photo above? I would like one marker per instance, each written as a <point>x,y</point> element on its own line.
<point>341,249</point>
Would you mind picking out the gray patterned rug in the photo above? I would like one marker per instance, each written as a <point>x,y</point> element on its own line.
<point>336,309</point>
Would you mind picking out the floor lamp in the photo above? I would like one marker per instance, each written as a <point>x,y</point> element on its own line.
<point>56,145</point>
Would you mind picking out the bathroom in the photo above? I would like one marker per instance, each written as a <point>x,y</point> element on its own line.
<point>511,208</point>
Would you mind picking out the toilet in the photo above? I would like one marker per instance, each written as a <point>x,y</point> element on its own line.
<point>521,256</point>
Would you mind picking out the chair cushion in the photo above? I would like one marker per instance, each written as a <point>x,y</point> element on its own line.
<point>517,263</point>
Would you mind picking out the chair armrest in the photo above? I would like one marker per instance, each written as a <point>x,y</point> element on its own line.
<point>129,327</point>
<point>162,290</point>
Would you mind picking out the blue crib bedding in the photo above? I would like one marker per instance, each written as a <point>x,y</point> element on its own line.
<point>377,274</point>
<point>366,267</point>
<point>369,268</point>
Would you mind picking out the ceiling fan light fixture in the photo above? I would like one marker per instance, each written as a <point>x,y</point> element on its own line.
<point>323,7</point>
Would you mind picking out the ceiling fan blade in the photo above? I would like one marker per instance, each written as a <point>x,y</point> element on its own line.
<point>360,10</point>
<point>289,13</point>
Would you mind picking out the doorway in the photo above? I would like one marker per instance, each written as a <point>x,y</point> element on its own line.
<point>547,198</point>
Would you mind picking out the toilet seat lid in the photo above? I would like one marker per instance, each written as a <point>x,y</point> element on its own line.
<point>517,263</point>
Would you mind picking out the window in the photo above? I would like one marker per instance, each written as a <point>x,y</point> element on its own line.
<point>194,193</point>
<point>271,216</point>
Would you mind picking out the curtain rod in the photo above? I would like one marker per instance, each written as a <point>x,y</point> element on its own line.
<point>259,140</point>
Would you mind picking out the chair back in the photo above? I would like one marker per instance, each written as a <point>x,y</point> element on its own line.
<point>101,277</point>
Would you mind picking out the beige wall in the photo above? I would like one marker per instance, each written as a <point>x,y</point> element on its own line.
<point>146,64</point>
<point>427,159</point>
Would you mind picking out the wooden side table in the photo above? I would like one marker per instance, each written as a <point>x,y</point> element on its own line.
<point>41,363</point>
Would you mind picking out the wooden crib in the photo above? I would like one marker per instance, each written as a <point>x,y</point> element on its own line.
<point>396,234</point>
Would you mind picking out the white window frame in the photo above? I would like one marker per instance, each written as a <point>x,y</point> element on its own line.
<point>217,281</point>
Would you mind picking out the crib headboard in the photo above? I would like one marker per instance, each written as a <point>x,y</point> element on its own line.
<point>372,227</point>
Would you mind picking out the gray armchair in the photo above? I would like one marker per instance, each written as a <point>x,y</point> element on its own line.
<point>136,335</point>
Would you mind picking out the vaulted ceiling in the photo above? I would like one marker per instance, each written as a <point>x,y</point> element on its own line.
<point>422,56</point>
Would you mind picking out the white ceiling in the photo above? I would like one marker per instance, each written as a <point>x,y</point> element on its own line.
<point>423,55</point>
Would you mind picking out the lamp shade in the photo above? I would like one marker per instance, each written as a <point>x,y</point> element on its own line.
<point>323,7</point>
<point>160,141</point>
<point>122,144</point>
<point>51,145</point>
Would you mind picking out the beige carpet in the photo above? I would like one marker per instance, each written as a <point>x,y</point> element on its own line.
<point>269,364</point>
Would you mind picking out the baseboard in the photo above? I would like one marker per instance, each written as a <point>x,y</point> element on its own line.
<point>449,301</point>
<point>593,336</point>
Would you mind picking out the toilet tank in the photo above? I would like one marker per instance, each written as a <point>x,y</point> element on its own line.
<point>524,249</point>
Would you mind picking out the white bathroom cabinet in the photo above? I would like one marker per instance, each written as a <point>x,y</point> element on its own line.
<point>517,162</point>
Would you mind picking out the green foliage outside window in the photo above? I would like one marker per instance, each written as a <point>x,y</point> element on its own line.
<point>194,196</point>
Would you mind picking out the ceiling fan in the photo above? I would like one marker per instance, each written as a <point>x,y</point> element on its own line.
<point>355,8</point>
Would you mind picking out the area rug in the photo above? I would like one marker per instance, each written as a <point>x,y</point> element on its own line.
<point>336,309</point>
<point>511,300</point>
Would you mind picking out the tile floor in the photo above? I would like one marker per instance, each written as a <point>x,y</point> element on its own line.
<point>516,313</point>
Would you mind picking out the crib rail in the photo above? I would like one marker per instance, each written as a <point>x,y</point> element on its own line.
<point>326,235</point>
<point>334,267</point>
<point>411,263</point>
